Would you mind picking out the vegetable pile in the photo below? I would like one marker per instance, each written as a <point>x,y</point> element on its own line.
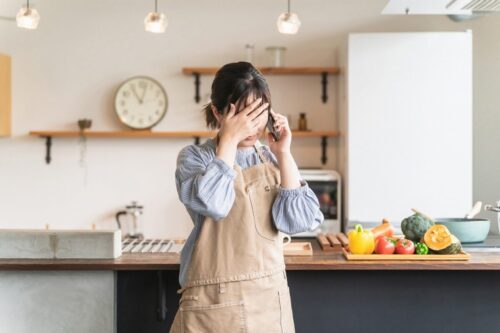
<point>421,237</point>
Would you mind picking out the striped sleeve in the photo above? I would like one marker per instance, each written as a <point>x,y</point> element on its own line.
<point>204,184</point>
<point>296,210</point>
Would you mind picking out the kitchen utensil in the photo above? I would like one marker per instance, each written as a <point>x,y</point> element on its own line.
<point>492,208</point>
<point>324,242</point>
<point>475,210</point>
<point>131,228</point>
<point>467,230</point>
<point>288,239</point>
<point>495,227</point>
<point>343,239</point>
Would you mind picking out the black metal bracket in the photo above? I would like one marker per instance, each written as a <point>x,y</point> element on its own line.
<point>48,145</point>
<point>161,309</point>
<point>197,97</point>
<point>197,140</point>
<point>324,86</point>
<point>324,145</point>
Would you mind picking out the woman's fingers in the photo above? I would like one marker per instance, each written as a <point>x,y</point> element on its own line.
<point>232,110</point>
<point>250,108</point>
<point>260,111</point>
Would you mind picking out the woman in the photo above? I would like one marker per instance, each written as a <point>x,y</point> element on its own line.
<point>240,195</point>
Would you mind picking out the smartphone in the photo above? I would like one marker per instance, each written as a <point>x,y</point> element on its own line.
<point>270,126</point>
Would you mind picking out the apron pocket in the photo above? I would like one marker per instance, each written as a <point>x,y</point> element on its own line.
<point>287,324</point>
<point>262,201</point>
<point>224,317</point>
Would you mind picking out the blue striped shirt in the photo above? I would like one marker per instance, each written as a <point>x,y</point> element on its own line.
<point>205,185</point>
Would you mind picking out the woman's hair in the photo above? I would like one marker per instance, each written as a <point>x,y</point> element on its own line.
<point>234,83</point>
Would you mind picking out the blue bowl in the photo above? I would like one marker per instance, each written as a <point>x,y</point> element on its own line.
<point>467,230</point>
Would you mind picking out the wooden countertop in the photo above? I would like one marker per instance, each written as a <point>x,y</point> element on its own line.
<point>319,261</point>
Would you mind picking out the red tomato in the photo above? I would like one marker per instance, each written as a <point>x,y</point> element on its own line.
<point>405,246</point>
<point>384,245</point>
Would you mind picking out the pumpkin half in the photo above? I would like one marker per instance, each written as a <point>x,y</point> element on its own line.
<point>440,240</point>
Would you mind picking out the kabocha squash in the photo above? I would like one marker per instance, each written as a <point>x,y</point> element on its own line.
<point>440,240</point>
<point>415,226</point>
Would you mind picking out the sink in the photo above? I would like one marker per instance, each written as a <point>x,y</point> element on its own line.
<point>59,244</point>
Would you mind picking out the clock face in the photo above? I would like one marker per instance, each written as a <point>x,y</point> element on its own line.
<point>141,102</point>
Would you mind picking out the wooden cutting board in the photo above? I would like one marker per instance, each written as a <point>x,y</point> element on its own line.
<point>453,257</point>
<point>298,249</point>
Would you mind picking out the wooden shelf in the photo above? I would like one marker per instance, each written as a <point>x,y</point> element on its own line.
<point>122,134</point>
<point>196,135</point>
<point>269,70</point>
<point>153,134</point>
<point>323,71</point>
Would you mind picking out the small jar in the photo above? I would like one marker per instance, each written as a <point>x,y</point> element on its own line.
<point>302,122</point>
<point>278,55</point>
<point>249,48</point>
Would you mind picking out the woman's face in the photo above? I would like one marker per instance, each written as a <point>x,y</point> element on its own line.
<point>250,140</point>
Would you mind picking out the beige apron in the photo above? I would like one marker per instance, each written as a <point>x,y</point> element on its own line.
<point>236,281</point>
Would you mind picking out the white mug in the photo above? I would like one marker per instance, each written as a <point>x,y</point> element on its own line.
<point>288,241</point>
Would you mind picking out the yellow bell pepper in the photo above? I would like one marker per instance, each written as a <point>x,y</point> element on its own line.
<point>361,241</point>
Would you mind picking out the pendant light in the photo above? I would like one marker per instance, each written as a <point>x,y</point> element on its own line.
<point>155,22</point>
<point>27,18</point>
<point>288,22</point>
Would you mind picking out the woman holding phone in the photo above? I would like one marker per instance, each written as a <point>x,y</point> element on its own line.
<point>242,197</point>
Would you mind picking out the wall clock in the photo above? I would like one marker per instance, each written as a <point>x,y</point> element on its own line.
<point>141,102</point>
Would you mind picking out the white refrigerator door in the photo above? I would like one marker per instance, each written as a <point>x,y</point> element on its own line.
<point>409,125</point>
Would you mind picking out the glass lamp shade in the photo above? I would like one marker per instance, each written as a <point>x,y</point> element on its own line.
<point>155,22</point>
<point>27,18</point>
<point>288,23</point>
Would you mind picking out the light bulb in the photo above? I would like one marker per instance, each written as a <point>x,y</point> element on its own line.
<point>288,23</point>
<point>27,18</point>
<point>155,22</point>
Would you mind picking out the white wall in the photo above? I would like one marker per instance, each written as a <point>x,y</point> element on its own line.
<point>70,67</point>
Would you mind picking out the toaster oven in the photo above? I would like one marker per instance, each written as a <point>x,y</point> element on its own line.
<point>327,186</point>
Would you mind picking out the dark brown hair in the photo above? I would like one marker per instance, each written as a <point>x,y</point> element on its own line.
<point>234,83</point>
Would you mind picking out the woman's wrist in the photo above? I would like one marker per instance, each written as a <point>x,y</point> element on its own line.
<point>283,156</point>
<point>226,149</point>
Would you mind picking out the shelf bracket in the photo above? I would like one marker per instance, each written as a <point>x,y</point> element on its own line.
<point>197,140</point>
<point>48,145</point>
<point>324,145</point>
<point>161,309</point>
<point>324,86</point>
<point>197,87</point>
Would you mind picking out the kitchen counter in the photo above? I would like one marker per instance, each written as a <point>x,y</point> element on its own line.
<point>328,292</point>
<point>319,261</point>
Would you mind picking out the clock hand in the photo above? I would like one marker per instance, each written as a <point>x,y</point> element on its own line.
<point>136,96</point>
<point>144,92</point>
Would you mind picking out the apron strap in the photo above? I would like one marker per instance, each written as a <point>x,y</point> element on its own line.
<point>258,148</point>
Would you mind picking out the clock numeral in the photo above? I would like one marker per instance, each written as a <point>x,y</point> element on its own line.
<point>142,84</point>
<point>126,93</point>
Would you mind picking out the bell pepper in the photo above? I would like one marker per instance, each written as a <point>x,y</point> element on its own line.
<point>421,248</point>
<point>361,241</point>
